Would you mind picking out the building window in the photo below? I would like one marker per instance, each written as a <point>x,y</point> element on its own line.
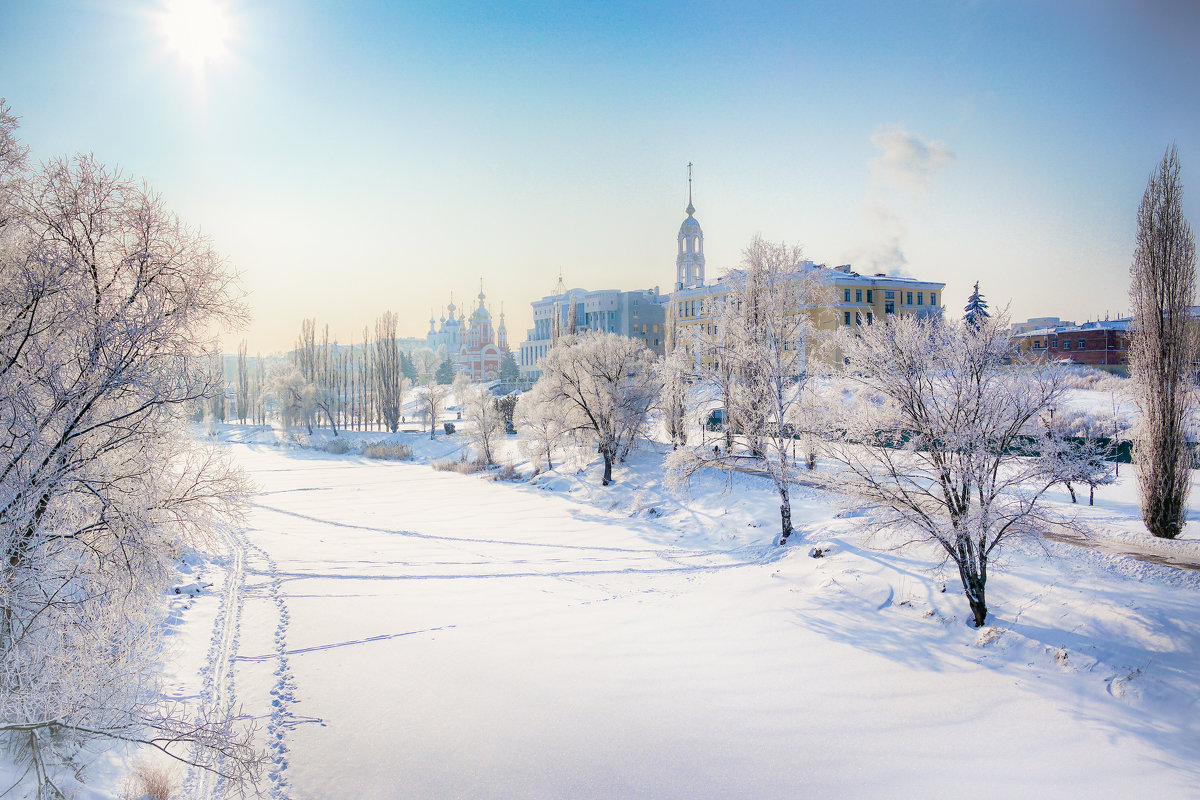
<point>870,317</point>
<point>847,315</point>
<point>889,295</point>
<point>889,306</point>
<point>910,302</point>
<point>845,295</point>
<point>1037,344</point>
<point>933,298</point>
<point>920,298</point>
<point>1066,344</point>
<point>870,297</point>
<point>1083,344</point>
<point>857,318</point>
<point>1054,342</point>
<point>858,295</point>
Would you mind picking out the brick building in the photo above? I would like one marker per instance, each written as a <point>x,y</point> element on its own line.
<point>1103,344</point>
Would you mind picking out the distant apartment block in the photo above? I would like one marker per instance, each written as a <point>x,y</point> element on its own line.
<point>638,315</point>
<point>1038,323</point>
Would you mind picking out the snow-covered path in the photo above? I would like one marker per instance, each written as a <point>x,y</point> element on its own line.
<point>412,633</point>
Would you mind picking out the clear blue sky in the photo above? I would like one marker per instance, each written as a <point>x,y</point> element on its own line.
<point>351,158</point>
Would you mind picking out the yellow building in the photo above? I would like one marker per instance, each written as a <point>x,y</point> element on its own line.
<point>848,298</point>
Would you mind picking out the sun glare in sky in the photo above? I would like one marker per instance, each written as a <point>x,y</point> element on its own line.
<point>197,31</point>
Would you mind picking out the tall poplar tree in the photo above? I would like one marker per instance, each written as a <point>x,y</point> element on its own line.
<point>1162,347</point>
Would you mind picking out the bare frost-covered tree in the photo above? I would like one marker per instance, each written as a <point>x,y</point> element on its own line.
<point>243,384</point>
<point>676,367</point>
<point>1162,347</point>
<point>481,410</point>
<point>425,362</point>
<point>291,395</point>
<point>258,390</point>
<point>1077,459</point>
<point>602,386</point>
<point>459,386</point>
<point>431,400</point>
<point>933,437</point>
<point>764,330</point>
<point>106,303</point>
<point>540,425</point>
<point>316,362</point>
<point>388,370</point>
<point>215,403</point>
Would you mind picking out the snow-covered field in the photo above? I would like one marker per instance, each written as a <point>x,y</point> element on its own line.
<point>403,632</point>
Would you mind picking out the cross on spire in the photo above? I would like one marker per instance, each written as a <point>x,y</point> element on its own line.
<point>690,209</point>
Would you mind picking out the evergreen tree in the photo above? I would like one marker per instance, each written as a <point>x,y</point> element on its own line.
<point>976,308</point>
<point>445,372</point>
<point>407,367</point>
<point>509,371</point>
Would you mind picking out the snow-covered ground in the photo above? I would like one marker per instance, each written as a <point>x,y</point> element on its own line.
<point>404,632</point>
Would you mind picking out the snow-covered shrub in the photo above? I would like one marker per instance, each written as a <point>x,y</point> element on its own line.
<point>1094,380</point>
<point>336,447</point>
<point>462,466</point>
<point>388,451</point>
<point>149,782</point>
<point>1086,424</point>
<point>506,472</point>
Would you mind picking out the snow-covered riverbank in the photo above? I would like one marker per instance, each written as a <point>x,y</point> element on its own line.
<point>411,633</point>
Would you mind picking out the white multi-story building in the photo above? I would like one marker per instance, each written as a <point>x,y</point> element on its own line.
<point>638,315</point>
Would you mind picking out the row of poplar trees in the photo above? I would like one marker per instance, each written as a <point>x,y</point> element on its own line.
<point>359,387</point>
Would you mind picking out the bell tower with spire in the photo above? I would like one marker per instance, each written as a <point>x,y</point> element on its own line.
<point>689,263</point>
<point>502,331</point>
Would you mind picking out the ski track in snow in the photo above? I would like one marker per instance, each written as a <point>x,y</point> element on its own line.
<point>679,560</point>
<point>217,695</point>
<point>283,692</point>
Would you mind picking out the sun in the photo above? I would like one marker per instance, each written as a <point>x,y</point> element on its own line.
<point>197,31</point>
